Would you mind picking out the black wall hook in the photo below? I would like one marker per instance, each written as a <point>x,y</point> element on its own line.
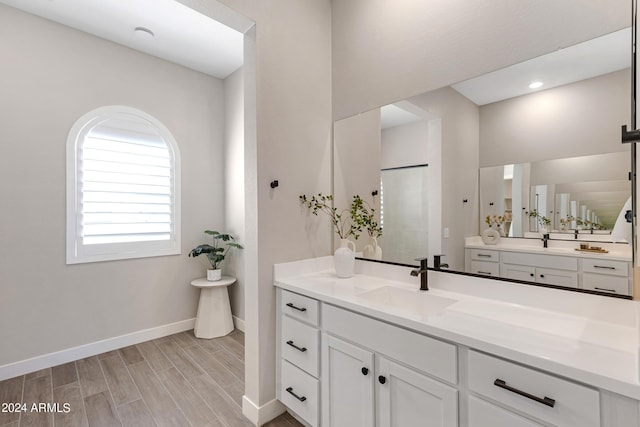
<point>274,183</point>
<point>374,193</point>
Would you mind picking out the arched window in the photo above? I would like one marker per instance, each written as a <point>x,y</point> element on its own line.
<point>123,187</point>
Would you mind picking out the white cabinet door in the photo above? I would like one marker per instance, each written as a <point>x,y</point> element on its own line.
<point>484,414</point>
<point>407,398</point>
<point>518,272</point>
<point>347,384</point>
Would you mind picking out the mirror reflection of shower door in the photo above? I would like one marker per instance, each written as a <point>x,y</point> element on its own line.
<point>403,210</point>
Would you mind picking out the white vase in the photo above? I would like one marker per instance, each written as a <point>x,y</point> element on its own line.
<point>372,250</point>
<point>214,275</point>
<point>344,258</point>
<point>490,236</point>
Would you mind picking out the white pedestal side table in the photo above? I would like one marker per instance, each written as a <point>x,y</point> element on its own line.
<point>214,310</point>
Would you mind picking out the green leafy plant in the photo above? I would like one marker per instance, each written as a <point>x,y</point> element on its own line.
<point>342,222</point>
<point>365,216</point>
<point>216,253</point>
<point>542,220</point>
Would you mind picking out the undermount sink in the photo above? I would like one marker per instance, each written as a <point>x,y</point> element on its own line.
<point>409,301</point>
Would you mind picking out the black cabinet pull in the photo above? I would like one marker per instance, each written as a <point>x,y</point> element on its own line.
<point>542,276</point>
<point>300,349</point>
<point>365,371</point>
<point>484,272</point>
<point>604,289</point>
<point>545,400</point>
<point>531,274</point>
<point>484,255</point>
<point>382,379</point>
<point>300,398</point>
<point>604,266</point>
<point>296,308</point>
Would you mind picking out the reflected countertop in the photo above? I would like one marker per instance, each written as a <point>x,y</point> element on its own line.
<point>616,251</point>
<point>584,337</point>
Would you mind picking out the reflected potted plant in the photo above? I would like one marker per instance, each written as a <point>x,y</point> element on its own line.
<point>543,221</point>
<point>215,253</point>
<point>364,215</point>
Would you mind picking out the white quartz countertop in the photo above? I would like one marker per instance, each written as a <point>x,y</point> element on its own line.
<point>587,338</point>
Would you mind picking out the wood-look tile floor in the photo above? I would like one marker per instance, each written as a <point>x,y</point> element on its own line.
<point>178,380</point>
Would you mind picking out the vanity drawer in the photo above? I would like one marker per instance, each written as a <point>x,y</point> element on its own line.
<point>421,352</point>
<point>539,260</point>
<point>299,392</point>
<point>483,414</point>
<point>486,268</point>
<point>602,283</point>
<point>300,344</point>
<point>573,404</point>
<point>485,255</point>
<point>614,268</point>
<point>301,307</point>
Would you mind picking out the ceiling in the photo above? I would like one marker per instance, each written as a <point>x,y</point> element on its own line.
<point>602,55</point>
<point>391,115</point>
<point>181,35</point>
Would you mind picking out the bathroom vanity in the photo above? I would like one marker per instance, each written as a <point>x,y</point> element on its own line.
<point>374,350</point>
<point>558,265</point>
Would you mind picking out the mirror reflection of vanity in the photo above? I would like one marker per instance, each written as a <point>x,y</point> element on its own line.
<point>548,160</point>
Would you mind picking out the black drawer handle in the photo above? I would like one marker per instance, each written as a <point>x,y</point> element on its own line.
<point>604,266</point>
<point>365,371</point>
<point>300,398</point>
<point>484,272</point>
<point>484,255</point>
<point>604,289</point>
<point>382,379</point>
<point>300,349</point>
<point>545,400</point>
<point>296,308</point>
<point>531,274</point>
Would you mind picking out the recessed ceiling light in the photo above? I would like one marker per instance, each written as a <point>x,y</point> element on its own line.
<point>143,33</point>
<point>535,85</point>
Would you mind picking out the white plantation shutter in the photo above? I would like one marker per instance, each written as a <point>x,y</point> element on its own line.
<point>125,192</point>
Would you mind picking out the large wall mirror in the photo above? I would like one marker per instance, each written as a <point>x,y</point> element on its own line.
<point>532,150</point>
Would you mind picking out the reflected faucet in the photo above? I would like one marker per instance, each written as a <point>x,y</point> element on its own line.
<point>545,240</point>
<point>575,234</point>
<point>422,271</point>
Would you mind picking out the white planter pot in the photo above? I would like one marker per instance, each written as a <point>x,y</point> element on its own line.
<point>213,275</point>
<point>344,259</point>
<point>372,250</point>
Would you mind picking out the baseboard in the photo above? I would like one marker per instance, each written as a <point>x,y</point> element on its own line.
<point>263,414</point>
<point>68,355</point>
<point>238,323</point>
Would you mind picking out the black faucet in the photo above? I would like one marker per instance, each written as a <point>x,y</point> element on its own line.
<point>437,263</point>
<point>422,271</point>
<point>575,234</point>
<point>545,240</point>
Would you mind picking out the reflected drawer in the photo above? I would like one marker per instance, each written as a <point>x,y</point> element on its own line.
<point>544,396</point>
<point>551,276</point>
<point>300,307</point>
<point>615,268</point>
<point>603,283</point>
<point>299,392</point>
<point>485,255</point>
<point>486,268</point>
<point>300,344</point>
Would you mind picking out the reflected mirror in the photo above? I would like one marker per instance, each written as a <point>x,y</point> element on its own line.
<point>540,165</point>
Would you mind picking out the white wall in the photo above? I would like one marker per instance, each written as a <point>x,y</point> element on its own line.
<point>234,188</point>
<point>578,119</point>
<point>356,165</point>
<point>404,145</point>
<point>52,75</point>
<point>385,51</point>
